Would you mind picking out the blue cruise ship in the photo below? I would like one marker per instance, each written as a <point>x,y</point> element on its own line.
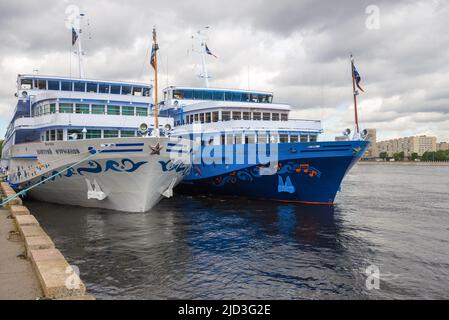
<point>249,146</point>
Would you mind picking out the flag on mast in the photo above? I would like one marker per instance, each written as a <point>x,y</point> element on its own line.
<point>209,52</point>
<point>356,75</point>
<point>154,48</point>
<point>74,36</point>
<point>153,55</point>
<point>153,62</point>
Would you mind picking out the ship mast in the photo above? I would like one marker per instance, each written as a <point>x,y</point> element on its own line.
<point>154,64</point>
<point>80,48</point>
<point>201,37</point>
<point>355,93</point>
<point>204,73</point>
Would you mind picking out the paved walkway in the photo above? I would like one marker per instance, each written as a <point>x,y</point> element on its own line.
<point>17,277</point>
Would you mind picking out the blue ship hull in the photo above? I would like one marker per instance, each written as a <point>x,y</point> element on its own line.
<point>308,173</point>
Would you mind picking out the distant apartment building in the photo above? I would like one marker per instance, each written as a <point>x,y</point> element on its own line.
<point>442,146</point>
<point>372,151</point>
<point>408,145</point>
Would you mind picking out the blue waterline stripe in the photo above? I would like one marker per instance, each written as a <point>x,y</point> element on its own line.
<point>25,157</point>
<point>129,144</point>
<point>122,150</point>
<point>338,146</point>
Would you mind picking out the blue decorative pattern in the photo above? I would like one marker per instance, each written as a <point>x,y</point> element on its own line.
<point>94,167</point>
<point>254,172</point>
<point>296,177</point>
<point>125,165</point>
<point>177,166</point>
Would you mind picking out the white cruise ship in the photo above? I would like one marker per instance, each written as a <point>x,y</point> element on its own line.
<point>94,126</point>
<point>91,143</point>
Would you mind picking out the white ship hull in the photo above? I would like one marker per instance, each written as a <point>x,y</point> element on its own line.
<point>128,174</point>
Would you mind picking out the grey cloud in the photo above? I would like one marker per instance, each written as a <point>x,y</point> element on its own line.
<point>297,49</point>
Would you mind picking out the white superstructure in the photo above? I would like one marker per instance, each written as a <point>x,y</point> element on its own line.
<point>85,139</point>
<point>235,116</point>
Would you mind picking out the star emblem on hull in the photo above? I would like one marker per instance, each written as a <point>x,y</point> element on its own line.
<point>156,149</point>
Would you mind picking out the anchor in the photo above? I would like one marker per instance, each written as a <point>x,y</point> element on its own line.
<point>285,187</point>
<point>94,191</point>
<point>168,193</point>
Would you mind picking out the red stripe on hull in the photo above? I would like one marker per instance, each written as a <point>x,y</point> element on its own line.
<point>303,202</point>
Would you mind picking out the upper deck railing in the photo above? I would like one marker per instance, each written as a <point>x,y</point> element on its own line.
<point>52,95</point>
<point>253,125</point>
<point>193,105</point>
<point>34,84</point>
<point>87,120</point>
<point>195,95</point>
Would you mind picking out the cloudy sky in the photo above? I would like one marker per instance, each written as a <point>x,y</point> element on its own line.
<point>297,49</point>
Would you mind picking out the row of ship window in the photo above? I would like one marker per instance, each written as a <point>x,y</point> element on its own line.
<point>80,108</point>
<point>81,86</point>
<point>78,134</point>
<point>262,138</point>
<point>208,117</point>
<point>220,95</point>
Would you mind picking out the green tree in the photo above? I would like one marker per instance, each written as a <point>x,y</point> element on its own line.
<point>398,156</point>
<point>428,156</point>
<point>440,155</point>
<point>414,156</point>
<point>383,155</point>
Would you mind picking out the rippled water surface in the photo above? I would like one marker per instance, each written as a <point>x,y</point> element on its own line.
<point>394,217</point>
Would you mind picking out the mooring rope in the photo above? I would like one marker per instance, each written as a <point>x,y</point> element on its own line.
<point>56,174</point>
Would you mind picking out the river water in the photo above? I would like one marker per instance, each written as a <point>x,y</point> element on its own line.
<point>391,219</point>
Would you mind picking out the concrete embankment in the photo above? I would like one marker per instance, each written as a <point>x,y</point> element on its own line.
<point>30,265</point>
<point>407,163</point>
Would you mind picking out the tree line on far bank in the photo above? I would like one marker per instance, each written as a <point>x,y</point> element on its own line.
<point>440,155</point>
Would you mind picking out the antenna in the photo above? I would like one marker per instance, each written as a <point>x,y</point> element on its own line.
<point>248,77</point>
<point>167,70</point>
<point>201,37</point>
<point>88,29</point>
